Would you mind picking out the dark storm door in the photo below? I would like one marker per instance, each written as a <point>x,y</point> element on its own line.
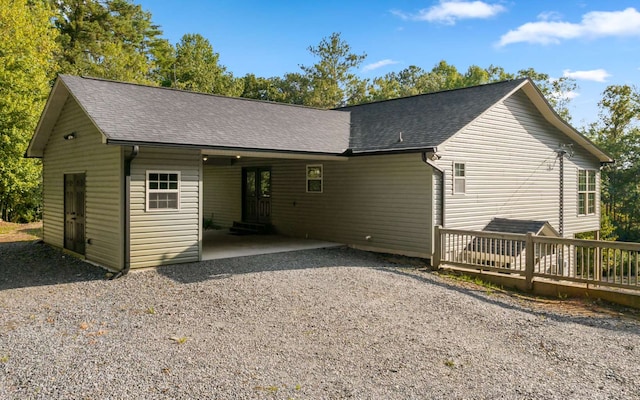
<point>74,195</point>
<point>256,195</point>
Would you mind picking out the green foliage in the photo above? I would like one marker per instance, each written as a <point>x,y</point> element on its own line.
<point>443,76</point>
<point>113,39</point>
<point>618,133</point>
<point>27,40</point>
<point>332,79</point>
<point>195,67</point>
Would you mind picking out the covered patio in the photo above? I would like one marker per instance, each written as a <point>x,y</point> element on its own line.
<point>219,244</point>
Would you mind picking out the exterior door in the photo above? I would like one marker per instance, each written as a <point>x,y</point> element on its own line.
<point>74,195</point>
<point>256,195</point>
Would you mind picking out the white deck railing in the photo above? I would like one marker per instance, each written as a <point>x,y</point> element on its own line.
<point>593,262</point>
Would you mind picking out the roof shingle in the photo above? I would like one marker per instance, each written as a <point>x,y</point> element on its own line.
<point>424,121</point>
<point>135,113</point>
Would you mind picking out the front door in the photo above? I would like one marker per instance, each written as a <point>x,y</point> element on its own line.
<point>256,195</point>
<point>74,190</point>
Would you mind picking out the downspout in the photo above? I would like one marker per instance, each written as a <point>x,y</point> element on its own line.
<point>429,161</point>
<point>127,206</point>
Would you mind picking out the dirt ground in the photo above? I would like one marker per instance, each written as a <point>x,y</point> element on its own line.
<point>10,232</point>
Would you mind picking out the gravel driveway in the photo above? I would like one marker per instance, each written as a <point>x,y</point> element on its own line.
<point>315,324</point>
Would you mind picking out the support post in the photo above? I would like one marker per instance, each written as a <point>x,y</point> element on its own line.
<point>530,260</point>
<point>437,248</point>
<point>597,259</point>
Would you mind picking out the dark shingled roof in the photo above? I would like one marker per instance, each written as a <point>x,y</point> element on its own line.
<point>126,112</point>
<point>521,226</point>
<point>425,121</point>
<point>129,113</point>
<point>506,225</point>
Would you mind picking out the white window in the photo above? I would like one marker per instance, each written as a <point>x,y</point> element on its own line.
<point>314,178</point>
<point>163,190</point>
<point>459,178</point>
<point>586,192</point>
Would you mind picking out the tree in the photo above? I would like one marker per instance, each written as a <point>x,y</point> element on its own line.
<point>618,133</point>
<point>195,67</point>
<point>556,91</point>
<point>27,41</point>
<point>332,78</point>
<point>111,39</point>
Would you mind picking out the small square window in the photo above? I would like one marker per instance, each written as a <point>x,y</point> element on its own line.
<point>163,191</point>
<point>314,178</point>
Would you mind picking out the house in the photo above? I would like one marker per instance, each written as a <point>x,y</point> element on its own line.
<point>130,171</point>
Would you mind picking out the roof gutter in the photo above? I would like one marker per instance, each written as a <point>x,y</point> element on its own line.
<point>229,150</point>
<point>127,215</point>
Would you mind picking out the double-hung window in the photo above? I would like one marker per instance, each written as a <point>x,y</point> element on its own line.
<point>314,178</point>
<point>163,190</point>
<point>459,178</point>
<point>586,192</point>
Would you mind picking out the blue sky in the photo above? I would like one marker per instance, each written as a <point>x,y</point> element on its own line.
<point>596,42</point>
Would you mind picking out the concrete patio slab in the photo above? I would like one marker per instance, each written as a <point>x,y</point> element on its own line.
<point>219,244</point>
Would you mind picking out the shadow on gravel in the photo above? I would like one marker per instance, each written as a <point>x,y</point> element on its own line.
<point>285,261</point>
<point>349,258</point>
<point>28,264</point>
<point>605,321</point>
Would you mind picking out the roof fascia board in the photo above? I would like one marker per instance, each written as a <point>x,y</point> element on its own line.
<point>482,114</point>
<point>52,108</point>
<point>102,134</point>
<point>242,152</point>
<point>393,151</point>
<point>547,111</point>
<point>543,106</point>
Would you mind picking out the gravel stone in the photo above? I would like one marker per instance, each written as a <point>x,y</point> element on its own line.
<point>317,324</point>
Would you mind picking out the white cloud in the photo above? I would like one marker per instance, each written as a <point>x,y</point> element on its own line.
<point>596,75</point>
<point>378,64</point>
<point>449,11</point>
<point>564,95</point>
<point>594,24</point>
<point>550,16</point>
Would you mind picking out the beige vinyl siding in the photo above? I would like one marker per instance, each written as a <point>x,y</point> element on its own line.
<point>166,236</point>
<point>224,185</point>
<point>102,165</point>
<point>385,197</point>
<point>512,170</point>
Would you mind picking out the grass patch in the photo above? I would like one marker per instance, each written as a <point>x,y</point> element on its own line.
<point>476,280</point>
<point>11,232</point>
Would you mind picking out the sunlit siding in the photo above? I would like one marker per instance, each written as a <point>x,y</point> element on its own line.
<point>165,237</point>
<point>385,197</point>
<point>512,170</point>
<point>102,165</point>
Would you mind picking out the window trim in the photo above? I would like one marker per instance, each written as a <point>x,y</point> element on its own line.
<point>455,178</point>
<point>587,192</point>
<point>148,191</point>
<point>320,179</point>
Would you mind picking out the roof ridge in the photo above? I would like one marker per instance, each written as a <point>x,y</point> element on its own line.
<point>196,92</point>
<point>437,92</point>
